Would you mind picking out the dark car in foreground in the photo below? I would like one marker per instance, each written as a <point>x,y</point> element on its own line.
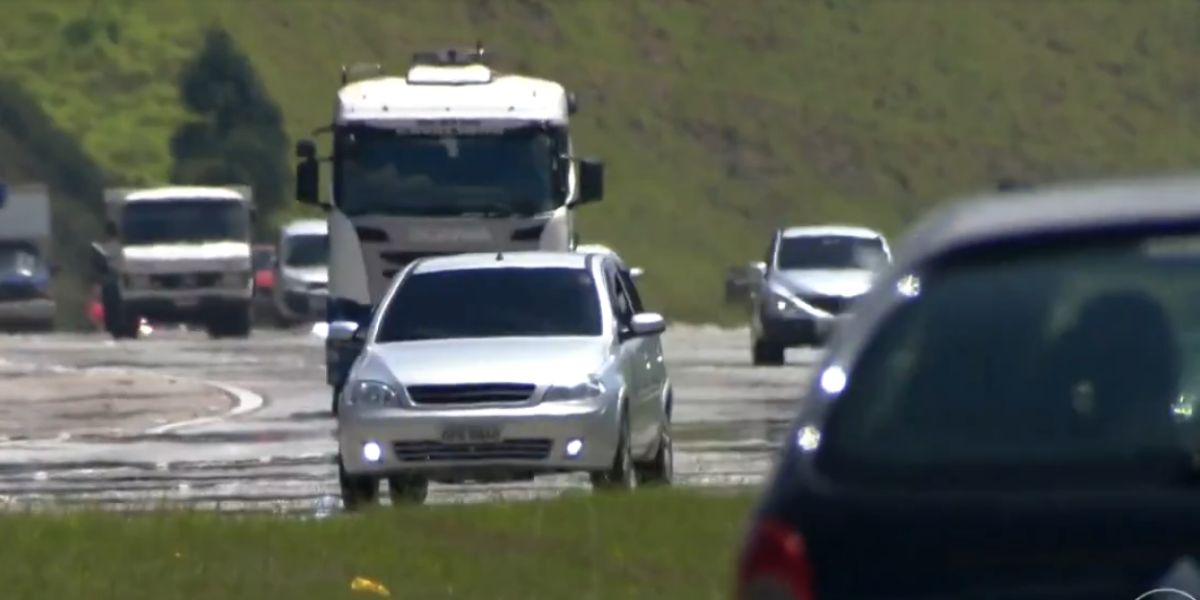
<point>1010,415</point>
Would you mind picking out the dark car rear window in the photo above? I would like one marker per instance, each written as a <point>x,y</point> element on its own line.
<point>493,302</point>
<point>1079,363</point>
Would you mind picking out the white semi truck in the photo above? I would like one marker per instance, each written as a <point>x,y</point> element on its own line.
<point>178,254</point>
<point>452,156</point>
<point>26,299</point>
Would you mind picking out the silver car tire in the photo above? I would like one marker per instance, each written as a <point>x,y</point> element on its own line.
<point>358,492</point>
<point>661,470</point>
<point>411,489</point>
<point>622,476</point>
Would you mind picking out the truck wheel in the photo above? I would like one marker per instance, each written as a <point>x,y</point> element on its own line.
<point>119,322</point>
<point>233,323</point>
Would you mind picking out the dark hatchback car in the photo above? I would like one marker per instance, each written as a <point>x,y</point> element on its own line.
<point>1011,415</point>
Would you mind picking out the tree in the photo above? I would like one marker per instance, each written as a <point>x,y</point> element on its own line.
<point>237,135</point>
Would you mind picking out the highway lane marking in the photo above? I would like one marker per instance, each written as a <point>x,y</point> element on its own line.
<point>246,401</point>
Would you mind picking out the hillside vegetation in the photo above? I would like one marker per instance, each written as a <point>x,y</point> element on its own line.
<point>719,120</point>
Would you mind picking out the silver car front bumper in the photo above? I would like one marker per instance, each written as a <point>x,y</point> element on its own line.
<point>530,440</point>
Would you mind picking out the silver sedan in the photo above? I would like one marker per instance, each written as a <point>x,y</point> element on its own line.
<point>498,367</point>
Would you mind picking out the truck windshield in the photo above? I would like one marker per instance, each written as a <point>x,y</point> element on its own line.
<point>307,251</point>
<point>184,221</point>
<point>516,172</point>
<point>520,302</point>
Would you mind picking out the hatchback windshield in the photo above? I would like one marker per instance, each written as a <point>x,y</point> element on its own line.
<point>1082,362</point>
<point>830,252</point>
<point>184,221</point>
<point>307,251</point>
<point>493,302</point>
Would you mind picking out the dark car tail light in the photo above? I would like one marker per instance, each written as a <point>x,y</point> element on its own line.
<point>774,565</point>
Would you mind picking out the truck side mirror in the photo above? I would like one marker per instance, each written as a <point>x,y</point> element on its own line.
<point>591,180</point>
<point>308,175</point>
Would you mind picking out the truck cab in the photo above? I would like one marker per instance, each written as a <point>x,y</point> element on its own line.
<point>178,255</point>
<point>451,156</point>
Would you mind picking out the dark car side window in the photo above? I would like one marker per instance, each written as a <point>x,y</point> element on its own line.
<point>1083,364</point>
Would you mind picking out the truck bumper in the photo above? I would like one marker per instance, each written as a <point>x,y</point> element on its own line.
<point>185,305</point>
<point>35,310</point>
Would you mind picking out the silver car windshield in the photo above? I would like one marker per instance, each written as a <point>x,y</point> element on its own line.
<point>493,302</point>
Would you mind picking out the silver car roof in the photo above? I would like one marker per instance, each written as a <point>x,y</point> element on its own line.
<point>488,260</point>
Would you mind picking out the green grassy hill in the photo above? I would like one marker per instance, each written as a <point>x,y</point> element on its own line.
<point>719,120</point>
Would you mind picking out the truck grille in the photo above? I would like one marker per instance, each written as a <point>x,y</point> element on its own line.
<point>177,281</point>
<point>471,393</point>
<point>434,451</point>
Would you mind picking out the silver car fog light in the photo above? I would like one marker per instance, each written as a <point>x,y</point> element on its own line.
<point>372,452</point>
<point>574,448</point>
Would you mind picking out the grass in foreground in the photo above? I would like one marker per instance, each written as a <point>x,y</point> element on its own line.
<point>653,544</point>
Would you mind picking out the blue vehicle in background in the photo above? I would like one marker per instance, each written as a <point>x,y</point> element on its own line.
<point>26,299</point>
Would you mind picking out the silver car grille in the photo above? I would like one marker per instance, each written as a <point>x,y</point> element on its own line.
<point>434,450</point>
<point>471,393</point>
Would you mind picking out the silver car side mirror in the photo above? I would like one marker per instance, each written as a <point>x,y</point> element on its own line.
<point>342,331</point>
<point>759,267</point>
<point>636,272</point>
<point>647,324</point>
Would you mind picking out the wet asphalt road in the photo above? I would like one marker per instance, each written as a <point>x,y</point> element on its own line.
<point>728,421</point>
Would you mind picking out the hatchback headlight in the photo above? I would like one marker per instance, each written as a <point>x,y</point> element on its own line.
<point>372,394</point>
<point>579,391</point>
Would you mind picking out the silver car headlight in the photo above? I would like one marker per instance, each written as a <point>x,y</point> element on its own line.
<point>372,394</point>
<point>579,391</point>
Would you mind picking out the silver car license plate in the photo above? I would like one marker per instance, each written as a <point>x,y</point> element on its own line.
<point>465,434</point>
